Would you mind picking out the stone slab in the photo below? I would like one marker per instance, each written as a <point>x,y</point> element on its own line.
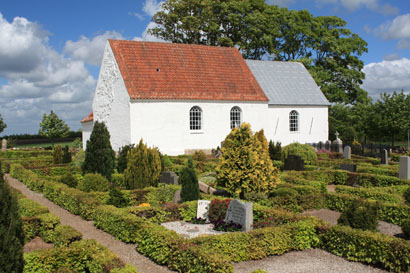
<point>205,188</point>
<point>404,167</point>
<point>349,167</point>
<point>240,213</point>
<point>202,209</point>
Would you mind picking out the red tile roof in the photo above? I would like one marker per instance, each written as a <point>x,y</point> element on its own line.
<point>168,71</point>
<point>90,117</point>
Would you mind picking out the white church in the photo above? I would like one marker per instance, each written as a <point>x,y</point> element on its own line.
<point>181,98</point>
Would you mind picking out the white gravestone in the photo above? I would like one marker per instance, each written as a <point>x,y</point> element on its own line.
<point>240,213</point>
<point>347,152</point>
<point>202,209</point>
<point>404,167</point>
<point>3,145</point>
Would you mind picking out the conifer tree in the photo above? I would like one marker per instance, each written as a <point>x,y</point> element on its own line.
<point>189,182</point>
<point>11,231</point>
<point>245,165</point>
<point>99,155</point>
<point>66,154</point>
<point>57,155</point>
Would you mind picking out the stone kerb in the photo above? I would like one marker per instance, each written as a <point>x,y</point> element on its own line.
<point>240,213</point>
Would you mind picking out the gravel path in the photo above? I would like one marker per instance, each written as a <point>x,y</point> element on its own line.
<point>126,252</point>
<point>311,260</point>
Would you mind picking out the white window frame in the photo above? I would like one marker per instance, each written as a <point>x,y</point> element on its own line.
<point>235,117</point>
<point>195,118</point>
<point>294,121</point>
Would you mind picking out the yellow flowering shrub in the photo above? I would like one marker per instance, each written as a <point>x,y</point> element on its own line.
<point>245,165</point>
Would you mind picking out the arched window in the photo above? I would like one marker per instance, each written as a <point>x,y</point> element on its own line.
<point>293,121</point>
<point>235,117</point>
<point>195,118</point>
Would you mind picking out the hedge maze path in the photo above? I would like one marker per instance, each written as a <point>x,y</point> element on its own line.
<point>126,252</point>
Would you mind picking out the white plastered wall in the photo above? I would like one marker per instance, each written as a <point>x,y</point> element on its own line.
<point>87,128</point>
<point>165,124</point>
<point>111,103</point>
<point>313,124</point>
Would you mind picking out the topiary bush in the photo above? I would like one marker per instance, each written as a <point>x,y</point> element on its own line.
<point>275,150</point>
<point>405,227</point>
<point>143,167</point>
<point>360,214</point>
<point>245,165</point>
<point>117,198</point>
<point>189,182</point>
<point>70,180</point>
<point>305,151</point>
<point>57,154</point>
<point>66,155</point>
<point>93,182</point>
<point>99,155</point>
<point>11,231</point>
<point>122,157</point>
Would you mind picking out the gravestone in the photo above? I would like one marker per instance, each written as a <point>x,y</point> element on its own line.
<point>294,163</point>
<point>320,145</point>
<point>177,197</point>
<point>347,152</point>
<point>384,157</point>
<point>404,167</point>
<point>168,178</point>
<point>348,167</point>
<point>203,187</point>
<point>328,145</point>
<point>202,209</point>
<point>337,144</point>
<point>240,213</point>
<point>3,145</point>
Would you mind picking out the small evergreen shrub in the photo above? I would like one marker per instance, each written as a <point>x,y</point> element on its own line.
<point>361,215</point>
<point>406,195</point>
<point>99,155</point>
<point>405,227</point>
<point>255,196</point>
<point>189,182</point>
<point>122,157</point>
<point>93,182</point>
<point>284,192</point>
<point>117,199</point>
<point>66,155</point>
<point>217,210</point>
<point>11,231</point>
<point>275,150</point>
<point>305,151</point>
<point>57,154</point>
<point>65,235</point>
<point>70,180</point>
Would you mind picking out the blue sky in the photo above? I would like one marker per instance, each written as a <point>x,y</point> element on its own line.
<point>50,51</point>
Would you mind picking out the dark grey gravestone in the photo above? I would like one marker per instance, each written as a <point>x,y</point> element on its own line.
<point>384,157</point>
<point>328,145</point>
<point>177,197</point>
<point>320,145</point>
<point>168,178</point>
<point>347,152</point>
<point>404,167</point>
<point>240,213</point>
<point>348,167</point>
<point>3,145</point>
<point>294,163</point>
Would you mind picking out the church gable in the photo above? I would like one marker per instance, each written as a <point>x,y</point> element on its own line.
<point>165,71</point>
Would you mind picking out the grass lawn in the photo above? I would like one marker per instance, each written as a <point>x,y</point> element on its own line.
<point>39,145</point>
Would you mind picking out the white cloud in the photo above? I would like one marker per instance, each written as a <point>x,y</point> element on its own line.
<point>391,57</point>
<point>36,79</point>
<point>148,37</point>
<point>399,28</point>
<point>387,76</point>
<point>353,5</point>
<point>90,50</point>
<point>151,7</point>
<point>403,44</point>
<point>136,14</point>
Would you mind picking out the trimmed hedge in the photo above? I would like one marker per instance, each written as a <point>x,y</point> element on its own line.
<point>368,247</point>
<point>371,193</point>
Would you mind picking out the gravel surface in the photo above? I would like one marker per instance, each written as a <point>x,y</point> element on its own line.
<point>311,260</point>
<point>189,230</point>
<point>126,252</point>
<point>36,244</point>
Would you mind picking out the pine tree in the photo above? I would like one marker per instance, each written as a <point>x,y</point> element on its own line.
<point>245,165</point>
<point>57,154</point>
<point>11,231</point>
<point>189,181</point>
<point>99,155</point>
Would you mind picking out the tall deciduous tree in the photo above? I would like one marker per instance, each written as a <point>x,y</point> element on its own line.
<point>11,231</point>
<point>2,124</point>
<point>53,127</point>
<point>329,50</point>
<point>99,155</point>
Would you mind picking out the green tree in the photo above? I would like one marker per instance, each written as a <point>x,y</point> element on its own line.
<point>58,154</point>
<point>189,182</point>
<point>329,50</point>
<point>99,155</point>
<point>391,114</point>
<point>143,167</point>
<point>66,155</point>
<point>53,127</point>
<point>245,165</point>
<point>11,231</point>
<point>122,157</point>
<point>2,124</point>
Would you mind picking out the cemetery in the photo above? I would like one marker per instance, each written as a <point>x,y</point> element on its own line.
<point>201,213</point>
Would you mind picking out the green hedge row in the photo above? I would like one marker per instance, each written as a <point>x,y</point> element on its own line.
<point>375,193</point>
<point>369,247</point>
<point>24,153</point>
<point>31,162</point>
<point>378,170</point>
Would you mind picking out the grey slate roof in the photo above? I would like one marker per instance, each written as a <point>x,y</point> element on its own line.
<point>287,83</point>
